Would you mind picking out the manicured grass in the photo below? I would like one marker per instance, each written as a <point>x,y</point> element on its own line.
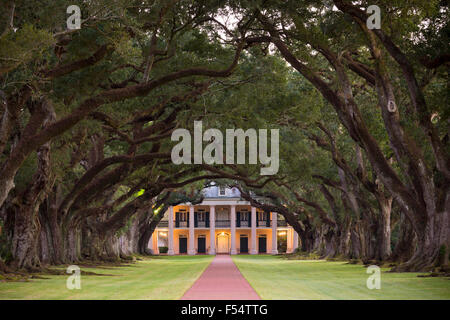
<point>153,278</point>
<point>275,278</point>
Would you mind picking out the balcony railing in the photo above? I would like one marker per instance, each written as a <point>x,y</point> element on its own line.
<point>222,224</point>
<point>243,224</point>
<point>181,224</point>
<point>202,224</point>
<point>263,223</point>
<point>163,224</point>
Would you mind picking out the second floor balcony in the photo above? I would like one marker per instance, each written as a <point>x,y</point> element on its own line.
<point>221,223</point>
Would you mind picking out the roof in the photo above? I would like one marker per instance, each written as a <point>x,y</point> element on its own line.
<point>220,192</point>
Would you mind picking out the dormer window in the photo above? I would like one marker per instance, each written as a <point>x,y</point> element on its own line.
<point>221,191</point>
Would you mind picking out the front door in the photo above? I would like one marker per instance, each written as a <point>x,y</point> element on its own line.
<point>262,244</point>
<point>244,245</point>
<point>222,243</point>
<point>201,245</point>
<point>183,244</point>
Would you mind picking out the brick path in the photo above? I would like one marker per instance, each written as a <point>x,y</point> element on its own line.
<point>221,280</point>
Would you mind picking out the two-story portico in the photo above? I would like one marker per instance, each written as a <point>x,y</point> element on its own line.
<point>222,223</point>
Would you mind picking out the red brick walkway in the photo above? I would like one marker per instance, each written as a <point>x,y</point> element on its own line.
<point>222,280</point>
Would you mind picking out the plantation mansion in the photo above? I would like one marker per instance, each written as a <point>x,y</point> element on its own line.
<point>222,223</point>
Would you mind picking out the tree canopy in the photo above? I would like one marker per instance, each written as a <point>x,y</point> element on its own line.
<point>87,117</point>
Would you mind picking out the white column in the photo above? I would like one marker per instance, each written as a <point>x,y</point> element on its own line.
<point>212,230</point>
<point>233,229</point>
<point>295,241</point>
<point>274,233</point>
<point>170,252</point>
<point>253,239</point>
<point>150,243</point>
<point>191,249</point>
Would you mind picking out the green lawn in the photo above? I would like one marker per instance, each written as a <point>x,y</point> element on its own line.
<point>272,277</point>
<point>275,278</point>
<point>152,278</point>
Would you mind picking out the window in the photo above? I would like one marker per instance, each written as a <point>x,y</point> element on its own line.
<point>182,216</point>
<point>163,239</point>
<point>221,191</point>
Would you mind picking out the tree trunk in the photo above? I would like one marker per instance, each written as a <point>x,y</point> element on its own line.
<point>355,252</point>
<point>404,248</point>
<point>384,230</point>
<point>344,240</point>
<point>331,243</point>
<point>432,245</point>
<point>27,226</point>
<point>72,245</point>
<point>111,248</point>
<point>25,240</point>
<point>51,233</point>
<point>146,233</point>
